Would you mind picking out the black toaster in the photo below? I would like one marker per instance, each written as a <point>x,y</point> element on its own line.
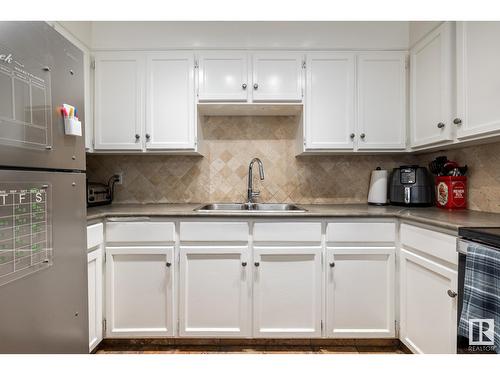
<point>411,185</point>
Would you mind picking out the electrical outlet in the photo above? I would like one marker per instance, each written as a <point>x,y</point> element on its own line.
<point>119,180</point>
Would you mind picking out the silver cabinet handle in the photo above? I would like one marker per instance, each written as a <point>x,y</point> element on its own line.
<point>137,136</point>
<point>244,86</point>
<point>244,264</point>
<point>256,264</point>
<point>168,264</point>
<point>362,135</point>
<point>332,264</point>
<point>451,293</point>
<point>457,121</point>
<point>255,86</point>
<point>352,135</point>
<point>440,125</point>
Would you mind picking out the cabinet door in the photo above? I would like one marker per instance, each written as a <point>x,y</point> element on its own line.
<point>170,118</point>
<point>223,76</point>
<point>139,291</point>
<point>329,101</point>
<point>381,101</point>
<point>428,313</point>
<point>287,291</point>
<point>94,271</point>
<point>119,92</point>
<point>431,88</point>
<point>214,291</point>
<point>478,80</point>
<point>277,76</point>
<point>360,292</point>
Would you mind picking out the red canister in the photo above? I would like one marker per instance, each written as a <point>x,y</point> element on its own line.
<point>451,192</point>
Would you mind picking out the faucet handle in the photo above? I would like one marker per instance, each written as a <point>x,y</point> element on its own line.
<point>255,193</point>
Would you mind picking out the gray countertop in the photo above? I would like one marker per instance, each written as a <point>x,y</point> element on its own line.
<point>451,220</point>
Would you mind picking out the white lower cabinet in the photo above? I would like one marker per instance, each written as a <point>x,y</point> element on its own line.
<point>95,283</point>
<point>94,272</point>
<point>139,291</point>
<point>287,291</point>
<point>214,291</point>
<point>360,292</point>
<point>428,313</point>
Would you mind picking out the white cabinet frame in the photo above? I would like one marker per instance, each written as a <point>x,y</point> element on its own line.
<point>188,119</point>
<point>313,254</point>
<point>441,271</point>
<point>95,296</point>
<point>294,58</point>
<point>167,328</point>
<point>337,255</point>
<point>223,91</point>
<point>443,35</point>
<point>242,288</point>
<point>101,121</point>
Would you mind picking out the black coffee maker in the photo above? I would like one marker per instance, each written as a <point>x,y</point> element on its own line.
<point>411,185</point>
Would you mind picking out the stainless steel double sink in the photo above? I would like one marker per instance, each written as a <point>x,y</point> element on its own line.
<point>246,207</point>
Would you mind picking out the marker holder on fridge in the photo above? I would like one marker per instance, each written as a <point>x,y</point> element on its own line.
<point>72,125</point>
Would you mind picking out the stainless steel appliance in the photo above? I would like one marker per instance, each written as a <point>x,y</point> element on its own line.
<point>43,260</point>
<point>411,185</point>
<point>99,194</point>
<point>489,237</point>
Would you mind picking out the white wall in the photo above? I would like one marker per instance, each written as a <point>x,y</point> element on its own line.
<point>250,35</point>
<point>419,29</point>
<point>81,30</point>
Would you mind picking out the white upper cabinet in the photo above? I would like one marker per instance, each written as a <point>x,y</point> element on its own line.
<point>381,101</point>
<point>223,76</point>
<point>478,79</point>
<point>277,76</point>
<point>170,114</point>
<point>119,93</point>
<point>432,69</point>
<point>330,94</point>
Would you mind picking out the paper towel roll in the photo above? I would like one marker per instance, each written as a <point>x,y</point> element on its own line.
<point>377,194</point>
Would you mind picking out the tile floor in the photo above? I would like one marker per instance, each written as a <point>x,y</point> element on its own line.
<point>250,349</point>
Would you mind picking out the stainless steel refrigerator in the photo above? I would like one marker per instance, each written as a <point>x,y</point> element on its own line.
<point>43,259</point>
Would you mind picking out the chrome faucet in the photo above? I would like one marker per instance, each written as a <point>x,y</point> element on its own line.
<point>250,193</point>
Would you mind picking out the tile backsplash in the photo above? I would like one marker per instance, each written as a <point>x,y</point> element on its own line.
<point>483,176</point>
<point>231,142</point>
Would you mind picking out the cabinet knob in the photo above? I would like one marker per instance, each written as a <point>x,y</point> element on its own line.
<point>137,136</point>
<point>255,86</point>
<point>244,86</point>
<point>457,121</point>
<point>451,293</point>
<point>148,137</point>
<point>362,135</point>
<point>168,264</point>
<point>352,135</point>
<point>244,264</point>
<point>256,264</point>
<point>440,125</point>
<point>332,264</point>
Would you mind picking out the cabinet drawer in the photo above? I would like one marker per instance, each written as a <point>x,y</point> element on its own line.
<point>361,232</point>
<point>214,231</point>
<point>140,232</point>
<point>287,232</point>
<point>94,235</point>
<point>437,244</point>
